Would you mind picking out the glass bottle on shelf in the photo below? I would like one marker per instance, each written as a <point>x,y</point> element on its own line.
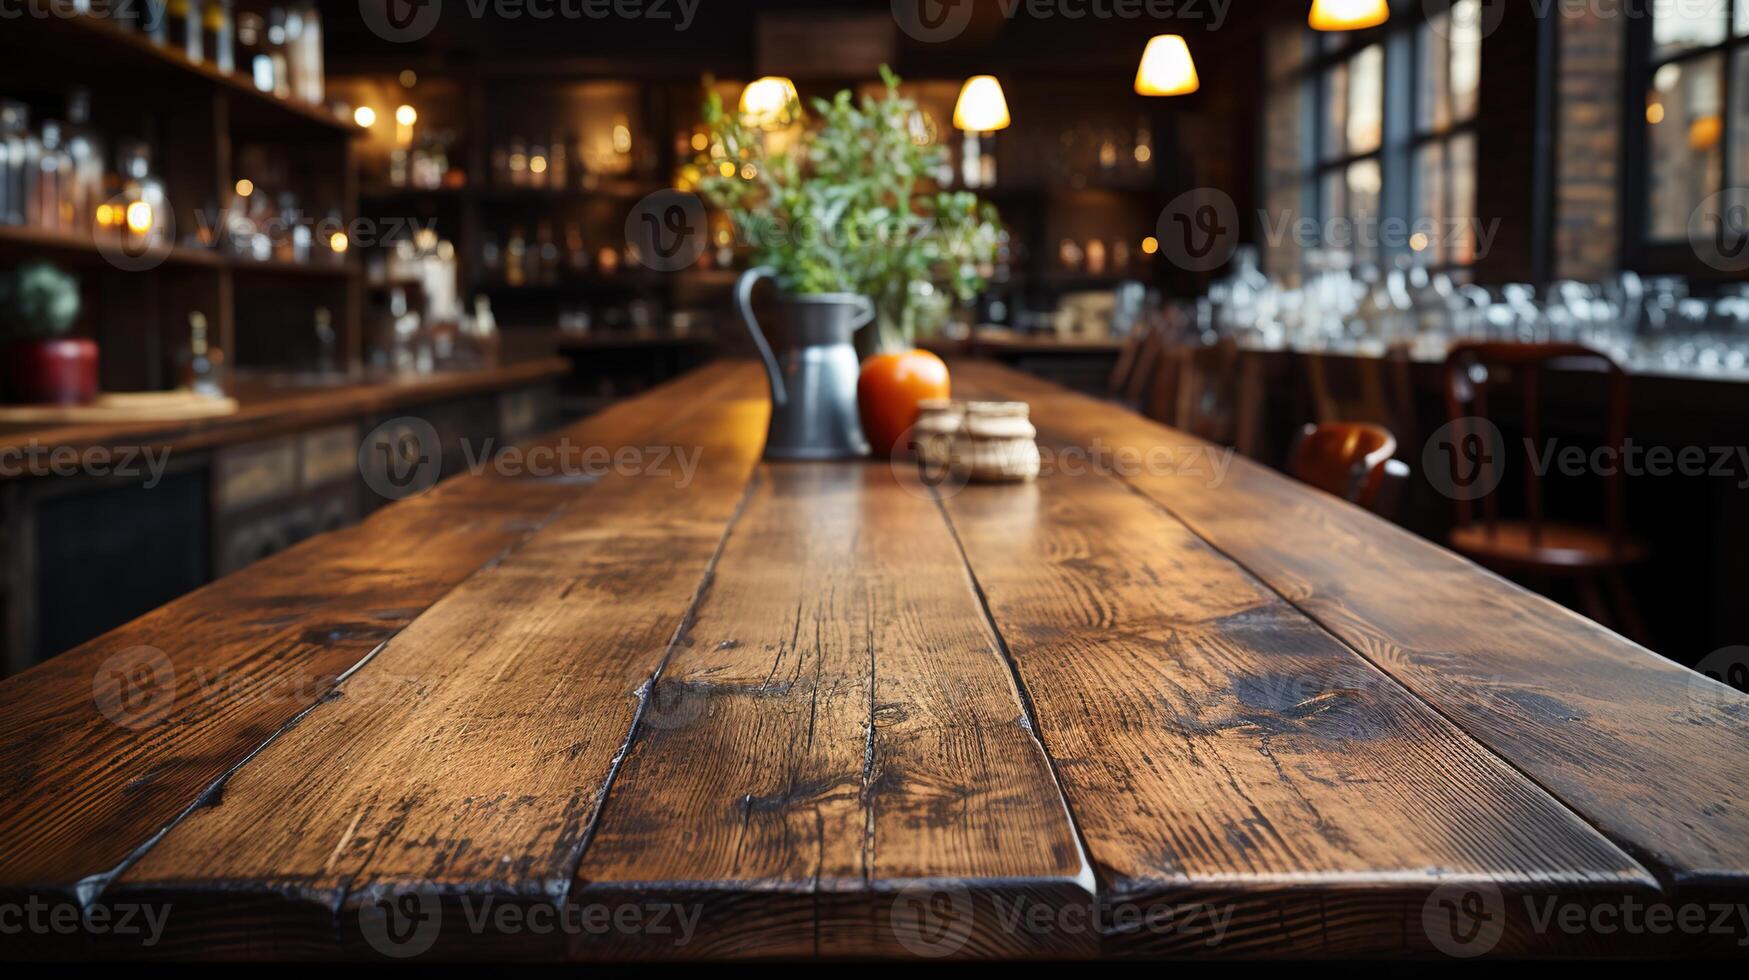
<point>278,59</point>
<point>515,253</point>
<point>54,180</point>
<point>86,153</point>
<point>204,361</point>
<point>558,163</point>
<point>327,342</point>
<point>18,153</point>
<point>250,31</point>
<point>219,34</point>
<point>145,207</point>
<point>183,27</point>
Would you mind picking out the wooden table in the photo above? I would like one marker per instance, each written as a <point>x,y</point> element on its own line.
<point>737,709</point>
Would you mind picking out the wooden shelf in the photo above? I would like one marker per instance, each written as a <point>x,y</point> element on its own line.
<point>48,46</point>
<point>16,239</point>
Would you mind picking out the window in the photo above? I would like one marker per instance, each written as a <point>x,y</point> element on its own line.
<point>1696,110</point>
<point>1448,55</point>
<point>1348,177</point>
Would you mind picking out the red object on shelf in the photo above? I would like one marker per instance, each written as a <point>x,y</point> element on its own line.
<point>49,372</point>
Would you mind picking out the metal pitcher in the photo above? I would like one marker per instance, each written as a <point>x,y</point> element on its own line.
<point>813,384</point>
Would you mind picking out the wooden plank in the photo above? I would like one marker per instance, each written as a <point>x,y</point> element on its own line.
<point>1650,753</point>
<point>466,760</point>
<point>106,745</point>
<point>1231,765</point>
<point>840,744</point>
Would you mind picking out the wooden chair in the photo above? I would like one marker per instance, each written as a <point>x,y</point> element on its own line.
<point>1357,388</point>
<point>1220,395</point>
<point>1129,362</point>
<point>1353,461</point>
<point>1590,556</point>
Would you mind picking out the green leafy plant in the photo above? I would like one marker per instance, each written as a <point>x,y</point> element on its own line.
<point>37,302</point>
<point>850,204</point>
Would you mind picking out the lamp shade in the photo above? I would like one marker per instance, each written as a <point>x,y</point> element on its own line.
<point>1348,15</point>
<point>1166,67</point>
<point>770,102</point>
<point>981,107</point>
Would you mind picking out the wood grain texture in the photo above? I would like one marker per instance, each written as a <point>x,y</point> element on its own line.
<point>1219,748</point>
<point>468,758</point>
<point>839,735</point>
<point>87,778</point>
<point>1653,755</point>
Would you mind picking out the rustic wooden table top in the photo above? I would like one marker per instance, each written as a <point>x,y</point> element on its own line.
<point>1161,701</point>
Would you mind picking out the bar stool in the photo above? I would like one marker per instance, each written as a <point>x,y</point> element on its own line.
<point>1592,557</point>
<point>1353,461</point>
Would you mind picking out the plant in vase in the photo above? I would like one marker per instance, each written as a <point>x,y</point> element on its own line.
<point>42,365</point>
<point>847,203</point>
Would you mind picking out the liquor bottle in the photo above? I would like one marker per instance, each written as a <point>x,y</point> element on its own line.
<point>183,27</point>
<point>18,155</point>
<point>220,34</point>
<point>86,151</point>
<point>54,180</point>
<point>143,199</point>
<point>279,60</point>
<point>204,361</point>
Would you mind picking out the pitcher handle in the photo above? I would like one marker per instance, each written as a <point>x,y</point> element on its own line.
<point>867,313</point>
<point>744,300</point>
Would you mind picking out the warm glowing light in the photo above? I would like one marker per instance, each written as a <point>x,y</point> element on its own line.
<point>1655,113</point>
<point>1166,67</point>
<point>1348,15</point>
<point>1418,241</point>
<point>409,78</point>
<point>537,164</point>
<point>981,107</point>
<point>1150,245</point>
<point>700,141</point>
<point>338,241</point>
<point>770,102</point>
<point>406,115</point>
<point>749,171</point>
<point>139,217</point>
<point>1704,133</point>
<point>1144,153</point>
<point>245,187</point>
<point>106,215</point>
<point>726,168</point>
<point>622,138</point>
<point>365,116</point>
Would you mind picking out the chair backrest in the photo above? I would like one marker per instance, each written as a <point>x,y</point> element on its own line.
<point>1220,395</point>
<point>1357,388</point>
<point>1349,459</point>
<point>1471,369</point>
<point>1129,361</point>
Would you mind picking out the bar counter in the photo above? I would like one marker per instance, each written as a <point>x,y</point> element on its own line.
<point>1161,701</point>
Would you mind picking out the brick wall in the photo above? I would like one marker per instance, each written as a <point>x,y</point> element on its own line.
<point>1588,116</point>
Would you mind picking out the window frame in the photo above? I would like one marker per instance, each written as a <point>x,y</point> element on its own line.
<point>1639,251</point>
<point>1419,138</point>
